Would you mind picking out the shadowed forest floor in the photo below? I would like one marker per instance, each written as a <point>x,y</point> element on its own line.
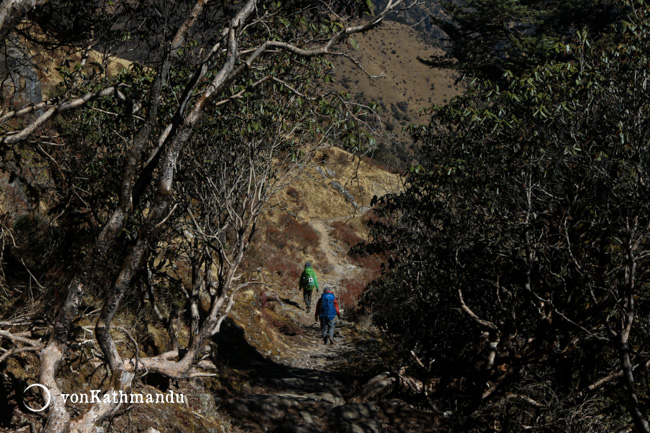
<point>315,387</point>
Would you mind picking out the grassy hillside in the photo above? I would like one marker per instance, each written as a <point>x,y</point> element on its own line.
<point>317,218</point>
<point>389,74</point>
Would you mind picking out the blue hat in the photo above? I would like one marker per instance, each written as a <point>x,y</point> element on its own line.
<point>308,265</point>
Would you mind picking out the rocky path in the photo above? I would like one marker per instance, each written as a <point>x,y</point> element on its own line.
<point>312,353</point>
<point>314,388</point>
<point>307,390</point>
<point>335,254</point>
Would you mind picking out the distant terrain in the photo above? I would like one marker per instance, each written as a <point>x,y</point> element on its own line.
<point>391,75</point>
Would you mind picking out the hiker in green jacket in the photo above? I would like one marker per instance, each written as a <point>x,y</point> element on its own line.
<point>308,283</point>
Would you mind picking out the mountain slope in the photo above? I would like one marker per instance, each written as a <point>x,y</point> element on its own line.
<point>316,219</point>
<point>390,74</point>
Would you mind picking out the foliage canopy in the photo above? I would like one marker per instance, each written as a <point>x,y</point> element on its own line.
<point>520,246</point>
<point>487,37</point>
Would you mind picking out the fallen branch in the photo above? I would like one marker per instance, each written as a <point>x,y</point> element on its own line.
<point>19,339</point>
<point>513,396</point>
<point>600,382</point>
<point>17,350</point>
<point>466,309</point>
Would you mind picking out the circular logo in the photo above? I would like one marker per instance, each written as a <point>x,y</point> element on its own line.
<point>47,399</point>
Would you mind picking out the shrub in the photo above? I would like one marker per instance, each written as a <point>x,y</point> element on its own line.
<point>371,263</point>
<point>301,233</point>
<point>350,293</point>
<point>344,233</point>
<point>284,266</point>
<point>276,237</point>
<point>293,193</point>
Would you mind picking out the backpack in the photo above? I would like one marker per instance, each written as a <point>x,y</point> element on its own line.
<point>327,308</point>
<point>307,280</point>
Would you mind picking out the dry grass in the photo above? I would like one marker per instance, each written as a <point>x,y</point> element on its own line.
<point>345,233</point>
<point>300,234</point>
<point>394,78</point>
<point>281,323</point>
<point>349,297</point>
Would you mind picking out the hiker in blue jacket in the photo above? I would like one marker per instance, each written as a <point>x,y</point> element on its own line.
<point>327,309</point>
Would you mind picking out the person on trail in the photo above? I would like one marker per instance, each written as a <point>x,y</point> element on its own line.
<point>327,308</point>
<point>308,283</point>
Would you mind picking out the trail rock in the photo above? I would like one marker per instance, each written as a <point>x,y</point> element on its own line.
<point>356,418</point>
<point>208,406</point>
<point>348,196</point>
<point>289,427</point>
<point>278,410</point>
<point>377,388</point>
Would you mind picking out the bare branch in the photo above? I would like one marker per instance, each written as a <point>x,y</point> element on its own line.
<point>17,350</point>
<point>18,339</point>
<point>466,309</point>
<point>54,110</point>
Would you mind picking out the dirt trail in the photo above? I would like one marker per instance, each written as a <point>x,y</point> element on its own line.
<point>334,253</point>
<point>315,388</point>
<point>305,389</point>
<point>312,352</point>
